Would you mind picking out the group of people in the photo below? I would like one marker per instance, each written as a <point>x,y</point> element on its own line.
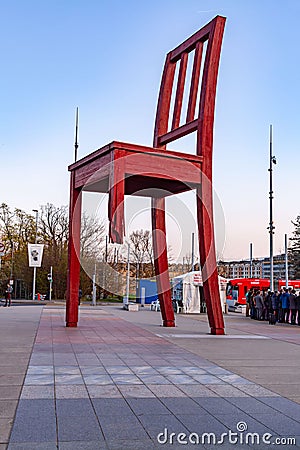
<point>283,305</point>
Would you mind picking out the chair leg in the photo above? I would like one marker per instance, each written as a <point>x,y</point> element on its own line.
<point>116,201</point>
<point>208,258</point>
<point>161,261</point>
<point>73,255</point>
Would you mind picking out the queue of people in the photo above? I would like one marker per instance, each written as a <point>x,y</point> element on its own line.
<point>283,305</point>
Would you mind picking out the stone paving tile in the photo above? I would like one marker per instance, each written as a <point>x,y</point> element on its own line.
<point>145,444</point>
<point>226,390</point>
<point>204,423</point>
<point>111,407</point>
<point>104,391</point>
<point>234,379</point>
<point>93,370</point>
<point>83,445</point>
<point>136,391</point>
<point>39,379</point>
<point>5,426</point>
<point>279,423</point>
<point>216,404</point>
<point>192,370</point>
<point>208,379</point>
<point>168,390</point>
<point>67,370</point>
<point>97,379</point>
<point>141,406</point>
<point>71,391</point>
<point>154,379</point>
<point>68,379</point>
<point>37,392</point>
<point>35,422</point>
<point>32,446</point>
<point>156,424</point>
<point>182,379</point>
<point>257,391</point>
<point>144,370</point>
<point>283,405</point>
<point>182,406</point>
<point>11,380</point>
<point>76,420</point>
<point>125,379</point>
<point>7,408</point>
<point>129,428</point>
<point>10,392</point>
<point>79,428</point>
<point>253,425</point>
<point>40,370</point>
<point>119,370</point>
<point>251,405</point>
<point>166,370</point>
<point>198,390</point>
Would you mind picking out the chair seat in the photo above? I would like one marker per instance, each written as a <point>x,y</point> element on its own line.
<point>120,169</point>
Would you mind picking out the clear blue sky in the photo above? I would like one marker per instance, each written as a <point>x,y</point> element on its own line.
<point>106,57</point>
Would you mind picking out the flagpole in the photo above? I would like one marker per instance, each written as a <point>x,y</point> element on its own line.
<point>76,134</point>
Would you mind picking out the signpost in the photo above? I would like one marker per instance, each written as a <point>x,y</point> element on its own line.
<point>50,279</point>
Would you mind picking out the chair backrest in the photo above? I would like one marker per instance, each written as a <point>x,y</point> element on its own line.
<point>170,124</point>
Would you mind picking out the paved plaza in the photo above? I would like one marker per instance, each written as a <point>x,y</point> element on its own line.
<point>121,381</point>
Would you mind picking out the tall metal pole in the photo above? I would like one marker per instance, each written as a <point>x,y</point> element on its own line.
<point>251,260</point>
<point>50,283</point>
<point>271,225</point>
<point>35,241</point>
<point>76,134</point>
<point>126,298</point>
<point>94,288</point>
<point>286,262</point>
<point>193,239</point>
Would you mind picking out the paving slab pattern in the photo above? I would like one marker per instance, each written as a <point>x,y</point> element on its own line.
<point>110,384</point>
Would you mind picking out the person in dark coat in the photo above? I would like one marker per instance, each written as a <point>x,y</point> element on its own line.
<point>285,305</point>
<point>293,310</point>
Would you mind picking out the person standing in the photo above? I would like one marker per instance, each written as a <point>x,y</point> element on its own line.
<point>8,293</point>
<point>292,305</point>
<point>259,304</point>
<point>285,305</point>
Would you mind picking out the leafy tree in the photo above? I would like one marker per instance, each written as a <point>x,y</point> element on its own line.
<point>294,250</point>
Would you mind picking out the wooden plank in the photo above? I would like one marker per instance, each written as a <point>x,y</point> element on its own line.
<point>194,82</point>
<point>183,130</point>
<point>179,91</point>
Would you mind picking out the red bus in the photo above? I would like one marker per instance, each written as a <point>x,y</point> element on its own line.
<point>295,284</point>
<point>238,287</point>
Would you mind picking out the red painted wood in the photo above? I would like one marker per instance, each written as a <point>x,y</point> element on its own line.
<point>161,261</point>
<point>179,91</point>
<point>123,169</point>
<point>73,255</point>
<point>194,82</point>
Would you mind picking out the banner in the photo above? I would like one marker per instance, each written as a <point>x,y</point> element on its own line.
<point>35,254</point>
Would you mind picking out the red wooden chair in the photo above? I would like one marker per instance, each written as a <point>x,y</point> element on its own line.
<point>127,169</point>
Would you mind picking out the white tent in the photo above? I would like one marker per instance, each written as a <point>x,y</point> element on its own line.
<point>186,288</point>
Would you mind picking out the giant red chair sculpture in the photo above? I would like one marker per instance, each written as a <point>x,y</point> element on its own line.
<point>128,169</point>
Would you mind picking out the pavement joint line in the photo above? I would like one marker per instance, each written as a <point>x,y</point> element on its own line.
<point>211,336</point>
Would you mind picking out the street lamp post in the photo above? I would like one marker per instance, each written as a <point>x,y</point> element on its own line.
<point>35,241</point>
<point>271,225</point>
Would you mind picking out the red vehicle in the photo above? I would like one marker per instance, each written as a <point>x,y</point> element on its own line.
<point>238,287</point>
<point>295,284</point>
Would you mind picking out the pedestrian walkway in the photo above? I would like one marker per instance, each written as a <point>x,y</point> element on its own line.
<point>120,381</point>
